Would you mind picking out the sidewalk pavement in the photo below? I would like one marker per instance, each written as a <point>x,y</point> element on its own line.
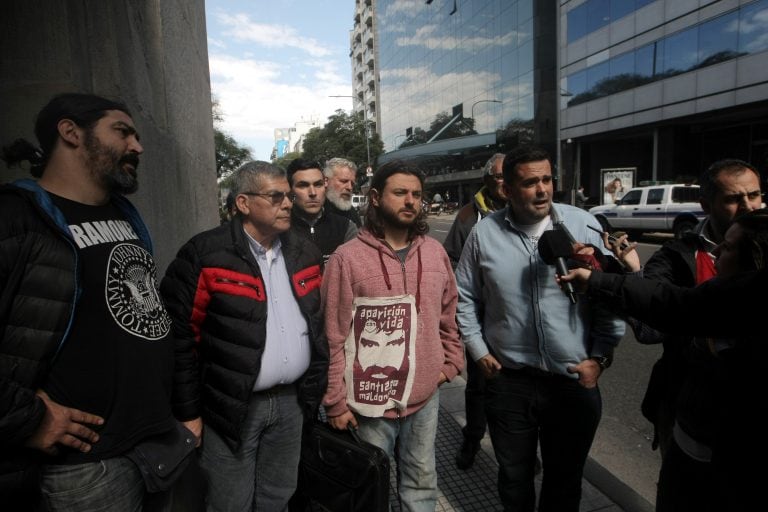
<point>475,488</point>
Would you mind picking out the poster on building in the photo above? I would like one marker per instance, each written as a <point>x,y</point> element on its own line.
<point>616,182</point>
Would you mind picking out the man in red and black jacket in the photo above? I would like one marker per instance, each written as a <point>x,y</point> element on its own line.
<point>251,354</point>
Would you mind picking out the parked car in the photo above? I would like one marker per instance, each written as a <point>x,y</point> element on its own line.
<point>358,202</point>
<point>666,208</point>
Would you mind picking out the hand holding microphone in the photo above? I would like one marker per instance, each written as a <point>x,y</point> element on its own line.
<point>554,247</point>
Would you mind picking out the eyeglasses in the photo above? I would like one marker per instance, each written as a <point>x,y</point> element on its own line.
<point>276,198</point>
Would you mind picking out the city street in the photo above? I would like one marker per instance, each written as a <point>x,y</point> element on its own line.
<point>621,457</point>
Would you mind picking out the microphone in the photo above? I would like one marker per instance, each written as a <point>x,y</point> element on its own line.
<point>554,247</point>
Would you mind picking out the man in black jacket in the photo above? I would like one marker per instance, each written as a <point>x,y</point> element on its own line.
<point>727,188</point>
<point>341,175</point>
<point>86,359</point>
<point>730,384</point>
<point>309,217</point>
<point>489,198</point>
<point>251,355</point>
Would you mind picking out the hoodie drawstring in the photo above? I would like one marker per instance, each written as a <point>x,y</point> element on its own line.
<point>418,282</point>
<point>384,270</point>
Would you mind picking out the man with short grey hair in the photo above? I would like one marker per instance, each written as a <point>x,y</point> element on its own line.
<point>251,355</point>
<point>341,175</point>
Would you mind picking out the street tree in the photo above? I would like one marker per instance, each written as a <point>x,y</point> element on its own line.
<point>344,135</point>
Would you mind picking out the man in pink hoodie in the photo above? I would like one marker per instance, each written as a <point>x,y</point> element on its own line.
<point>390,299</point>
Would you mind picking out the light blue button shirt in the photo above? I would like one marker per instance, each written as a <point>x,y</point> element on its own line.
<point>286,352</point>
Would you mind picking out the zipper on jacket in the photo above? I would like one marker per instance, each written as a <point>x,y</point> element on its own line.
<point>239,283</point>
<point>303,282</point>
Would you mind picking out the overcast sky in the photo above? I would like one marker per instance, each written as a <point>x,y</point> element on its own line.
<point>276,62</point>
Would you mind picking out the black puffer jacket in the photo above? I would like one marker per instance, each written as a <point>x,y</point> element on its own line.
<point>38,298</point>
<point>215,295</point>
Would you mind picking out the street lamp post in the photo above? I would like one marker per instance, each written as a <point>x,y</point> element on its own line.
<point>365,121</point>
<point>472,110</point>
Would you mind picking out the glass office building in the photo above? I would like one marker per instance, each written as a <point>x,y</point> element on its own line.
<point>459,81</point>
<point>662,88</point>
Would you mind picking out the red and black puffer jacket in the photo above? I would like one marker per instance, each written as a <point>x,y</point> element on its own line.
<point>215,295</point>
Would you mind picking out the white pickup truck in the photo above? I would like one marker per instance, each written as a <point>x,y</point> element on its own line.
<point>665,208</point>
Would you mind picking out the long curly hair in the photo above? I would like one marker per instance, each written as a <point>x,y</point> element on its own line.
<point>373,221</point>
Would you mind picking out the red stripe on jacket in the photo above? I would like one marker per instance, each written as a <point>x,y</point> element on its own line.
<point>218,280</point>
<point>306,280</point>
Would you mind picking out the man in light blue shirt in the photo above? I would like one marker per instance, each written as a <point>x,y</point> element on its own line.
<point>541,354</point>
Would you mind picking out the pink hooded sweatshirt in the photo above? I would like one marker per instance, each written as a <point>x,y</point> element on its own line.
<point>368,267</point>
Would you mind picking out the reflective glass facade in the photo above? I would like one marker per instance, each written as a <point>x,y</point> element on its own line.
<point>734,34</point>
<point>595,14</point>
<point>480,58</point>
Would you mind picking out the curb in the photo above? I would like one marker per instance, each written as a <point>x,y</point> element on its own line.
<point>619,492</point>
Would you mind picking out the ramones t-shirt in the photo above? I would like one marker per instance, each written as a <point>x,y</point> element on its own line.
<point>117,360</point>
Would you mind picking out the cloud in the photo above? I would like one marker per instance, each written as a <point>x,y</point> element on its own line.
<point>256,97</point>
<point>428,37</point>
<point>241,28</point>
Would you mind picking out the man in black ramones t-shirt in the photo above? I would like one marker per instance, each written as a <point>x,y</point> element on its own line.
<point>86,359</point>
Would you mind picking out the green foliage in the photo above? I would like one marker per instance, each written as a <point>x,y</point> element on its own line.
<point>229,153</point>
<point>284,160</point>
<point>342,136</point>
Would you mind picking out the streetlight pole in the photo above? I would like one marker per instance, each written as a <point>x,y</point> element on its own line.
<point>472,110</point>
<point>365,121</point>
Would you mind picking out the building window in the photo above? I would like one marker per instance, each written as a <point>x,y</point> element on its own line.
<point>734,34</point>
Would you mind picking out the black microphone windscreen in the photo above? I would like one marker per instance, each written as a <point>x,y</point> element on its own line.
<point>554,244</point>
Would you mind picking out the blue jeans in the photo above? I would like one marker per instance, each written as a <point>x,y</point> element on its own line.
<point>113,485</point>
<point>527,407</point>
<point>261,475</point>
<point>414,436</point>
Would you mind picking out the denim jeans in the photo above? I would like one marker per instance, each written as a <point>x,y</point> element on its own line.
<point>528,407</point>
<point>261,475</point>
<point>414,436</point>
<point>113,485</point>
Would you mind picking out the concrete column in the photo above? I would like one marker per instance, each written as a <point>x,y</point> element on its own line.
<point>153,56</point>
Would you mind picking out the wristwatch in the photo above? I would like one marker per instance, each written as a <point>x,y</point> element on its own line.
<point>602,361</point>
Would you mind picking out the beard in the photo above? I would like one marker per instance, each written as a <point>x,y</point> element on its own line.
<point>339,202</point>
<point>109,168</point>
<point>391,218</point>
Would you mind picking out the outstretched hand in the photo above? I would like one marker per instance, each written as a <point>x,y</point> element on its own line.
<point>624,250</point>
<point>63,426</point>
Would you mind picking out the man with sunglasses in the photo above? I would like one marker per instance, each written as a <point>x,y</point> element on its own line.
<point>488,199</point>
<point>309,218</point>
<point>251,355</point>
